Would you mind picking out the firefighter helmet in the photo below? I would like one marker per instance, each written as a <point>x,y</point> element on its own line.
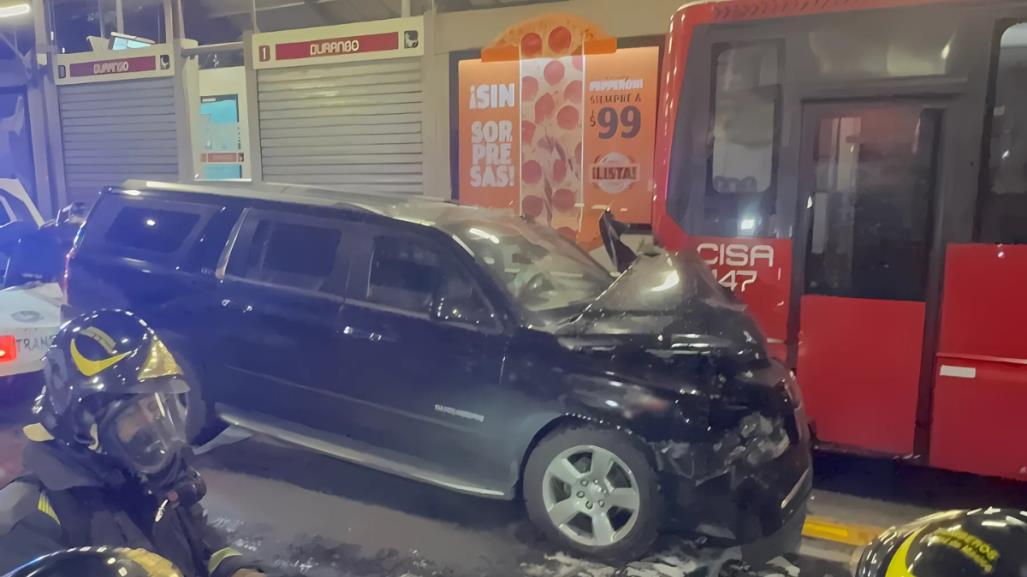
<point>98,562</point>
<point>977,543</point>
<point>113,387</point>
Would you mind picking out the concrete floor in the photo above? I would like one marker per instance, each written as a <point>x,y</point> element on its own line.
<point>308,514</point>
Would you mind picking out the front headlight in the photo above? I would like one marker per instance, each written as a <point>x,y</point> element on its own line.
<point>765,439</point>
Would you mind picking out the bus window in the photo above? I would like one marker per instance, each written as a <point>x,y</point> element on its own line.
<point>741,198</point>
<point>1003,211</point>
<point>874,179</point>
<point>865,45</point>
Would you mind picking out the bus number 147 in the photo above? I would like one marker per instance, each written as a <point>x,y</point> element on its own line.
<point>742,260</point>
<point>736,280</point>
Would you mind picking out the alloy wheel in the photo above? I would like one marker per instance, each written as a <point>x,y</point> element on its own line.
<point>591,495</point>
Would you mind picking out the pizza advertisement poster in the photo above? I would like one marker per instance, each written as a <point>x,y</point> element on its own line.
<point>620,134</point>
<point>490,133</point>
<point>577,127</point>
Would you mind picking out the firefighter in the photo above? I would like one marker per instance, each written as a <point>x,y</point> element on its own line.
<point>978,543</point>
<point>108,464</point>
<point>98,562</point>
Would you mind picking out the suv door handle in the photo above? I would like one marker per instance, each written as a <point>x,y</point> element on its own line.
<point>232,305</point>
<point>372,336</point>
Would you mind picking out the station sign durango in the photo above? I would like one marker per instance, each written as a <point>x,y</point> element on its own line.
<point>375,40</point>
<point>88,67</point>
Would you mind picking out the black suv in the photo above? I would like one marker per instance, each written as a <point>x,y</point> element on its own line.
<point>465,348</point>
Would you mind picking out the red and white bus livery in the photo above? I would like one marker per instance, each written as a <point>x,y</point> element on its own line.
<point>856,170</point>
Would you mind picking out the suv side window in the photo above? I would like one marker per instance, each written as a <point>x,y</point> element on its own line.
<point>291,251</point>
<point>151,229</point>
<point>410,275</point>
<point>148,229</point>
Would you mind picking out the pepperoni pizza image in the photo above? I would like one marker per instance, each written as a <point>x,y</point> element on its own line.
<point>552,67</point>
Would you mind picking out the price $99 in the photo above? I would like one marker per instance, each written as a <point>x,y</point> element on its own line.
<point>627,123</point>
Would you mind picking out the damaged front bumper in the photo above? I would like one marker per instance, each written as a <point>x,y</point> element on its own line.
<point>749,486</point>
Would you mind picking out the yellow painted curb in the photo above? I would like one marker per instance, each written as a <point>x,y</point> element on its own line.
<point>837,532</point>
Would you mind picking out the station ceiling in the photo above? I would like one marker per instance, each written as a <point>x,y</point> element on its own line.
<point>285,14</point>
<point>215,21</point>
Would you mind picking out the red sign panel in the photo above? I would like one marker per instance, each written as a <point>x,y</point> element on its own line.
<point>214,157</point>
<point>759,271</point>
<point>337,46</point>
<point>116,66</point>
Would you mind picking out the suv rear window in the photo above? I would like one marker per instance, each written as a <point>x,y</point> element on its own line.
<point>151,229</point>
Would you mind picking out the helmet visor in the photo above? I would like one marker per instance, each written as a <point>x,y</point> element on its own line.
<point>146,432</point>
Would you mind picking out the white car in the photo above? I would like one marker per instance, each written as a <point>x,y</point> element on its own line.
<point>30,313</point>
<point>29,318</point>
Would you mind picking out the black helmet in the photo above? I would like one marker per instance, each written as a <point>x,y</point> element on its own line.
<point>978,543</point>
<point>98,562</point>
<point>112,387</point>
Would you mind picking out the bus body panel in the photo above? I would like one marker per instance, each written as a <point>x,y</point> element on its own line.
<point>981,365</point>
<point>759,270</point>
<point>683,27</point>
<point>887,376</point>
<point>666,231</point>
<point>871,404</point>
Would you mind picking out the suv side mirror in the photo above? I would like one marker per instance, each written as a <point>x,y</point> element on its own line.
<point>610,230</point>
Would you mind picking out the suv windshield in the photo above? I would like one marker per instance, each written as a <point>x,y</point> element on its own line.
<point>547,274</point>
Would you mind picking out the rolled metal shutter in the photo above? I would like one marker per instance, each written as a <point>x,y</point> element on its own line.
<point>114,131</point>
<point>353,126</point>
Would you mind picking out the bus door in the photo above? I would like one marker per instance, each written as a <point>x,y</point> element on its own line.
<point>980,371</point>
<point>868,184</point>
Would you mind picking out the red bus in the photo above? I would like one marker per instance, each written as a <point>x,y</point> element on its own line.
<point>856,170</point>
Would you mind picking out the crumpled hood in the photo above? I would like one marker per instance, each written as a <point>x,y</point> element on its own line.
<point>669,302</point>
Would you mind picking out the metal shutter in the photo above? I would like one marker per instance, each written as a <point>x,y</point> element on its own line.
<point>114,131</point>
<point>355,126</point>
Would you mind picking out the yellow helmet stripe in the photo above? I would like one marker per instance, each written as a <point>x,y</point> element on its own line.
<point>899,566</point>
<point>46,508</point>
<point>90,368</point>
<point>159,363</point>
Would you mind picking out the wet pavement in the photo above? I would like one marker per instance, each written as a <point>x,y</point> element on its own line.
<point>307,514</point>
<point>303,513</point>
<point>319,516</point>
<point>310,514</point>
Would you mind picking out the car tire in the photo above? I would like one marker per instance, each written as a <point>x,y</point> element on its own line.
<point>201,423</point>
<point>568,496</point>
